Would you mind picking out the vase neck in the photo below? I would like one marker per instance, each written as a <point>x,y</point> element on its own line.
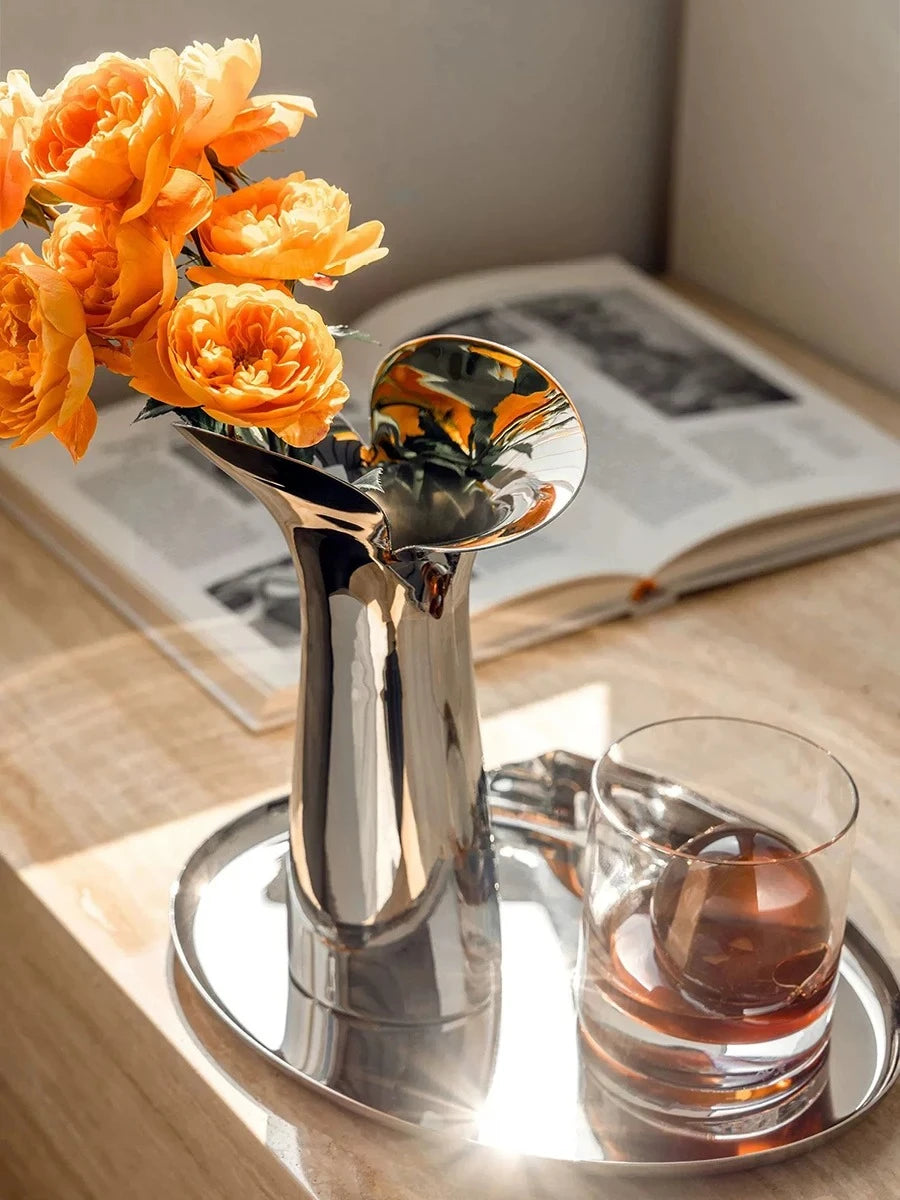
<point>387,770</point>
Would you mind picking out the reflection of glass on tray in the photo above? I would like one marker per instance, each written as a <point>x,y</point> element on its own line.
<point>718,865</point>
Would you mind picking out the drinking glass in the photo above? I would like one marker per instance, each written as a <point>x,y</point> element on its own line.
<point>716,874</point>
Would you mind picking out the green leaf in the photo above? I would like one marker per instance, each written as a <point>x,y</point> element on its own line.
<point>154,408</point>
<point>43,195</point>
<point>195,417</point>
<point>347,331</point>
<point>34,213</point>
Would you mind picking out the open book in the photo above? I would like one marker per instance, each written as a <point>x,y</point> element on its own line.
<point>707,461</point>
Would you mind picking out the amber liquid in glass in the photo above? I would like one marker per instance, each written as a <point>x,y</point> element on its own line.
<point>714,974</point>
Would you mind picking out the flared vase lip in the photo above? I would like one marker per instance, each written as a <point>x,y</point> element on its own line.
<point>612,817</point>
<point>488,541</point>
<point>312,484</point>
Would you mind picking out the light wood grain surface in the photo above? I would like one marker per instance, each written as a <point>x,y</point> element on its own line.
<point>113,765</point>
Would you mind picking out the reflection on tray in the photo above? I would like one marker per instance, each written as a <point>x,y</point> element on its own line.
<point>626,1135</point>
<point>512,1076</point>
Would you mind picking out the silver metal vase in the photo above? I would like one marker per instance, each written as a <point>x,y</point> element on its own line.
<point>393,908</point>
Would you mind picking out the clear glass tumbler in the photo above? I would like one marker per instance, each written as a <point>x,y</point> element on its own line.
<point>716,877</point>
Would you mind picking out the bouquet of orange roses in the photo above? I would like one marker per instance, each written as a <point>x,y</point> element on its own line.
<point>134,169</point>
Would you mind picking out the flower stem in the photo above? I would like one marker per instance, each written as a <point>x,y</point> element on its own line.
<point>195,238</point>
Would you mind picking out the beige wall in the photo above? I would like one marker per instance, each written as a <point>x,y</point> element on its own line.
<point>481,132</point>
<point>787,169</point>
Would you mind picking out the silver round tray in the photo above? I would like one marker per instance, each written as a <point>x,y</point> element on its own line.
<point>519,1087</point>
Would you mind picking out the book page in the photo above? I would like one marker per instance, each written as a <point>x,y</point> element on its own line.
<point>199,545</point>
<point>691,431</point>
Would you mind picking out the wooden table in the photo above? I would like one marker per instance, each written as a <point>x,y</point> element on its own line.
<point>113,766</point>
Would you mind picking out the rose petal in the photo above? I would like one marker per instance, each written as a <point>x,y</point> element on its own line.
<point>359,247</point>
<point>152,368</point>
<point>262,123</point>
<point>76,433</point>
<point>184,202</point>
<point>323,282</point>
<point>115,360</point>
<point>222,80</point>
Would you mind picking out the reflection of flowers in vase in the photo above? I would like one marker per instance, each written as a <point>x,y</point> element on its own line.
<point>266,598</point>
<point>461,408</point>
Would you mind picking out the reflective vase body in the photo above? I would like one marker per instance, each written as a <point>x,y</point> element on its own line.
<point>393,901</point>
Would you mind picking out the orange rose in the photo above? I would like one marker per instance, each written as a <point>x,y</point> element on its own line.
<point>248,355</point>
<point>125,275</point>
<point>46,364</point>
<point>111,133</point>
<point>293,228</point>
<point>18,104</point>
<point>232,124</point>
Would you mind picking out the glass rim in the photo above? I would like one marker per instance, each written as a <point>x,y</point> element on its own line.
<point>701,718</point>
